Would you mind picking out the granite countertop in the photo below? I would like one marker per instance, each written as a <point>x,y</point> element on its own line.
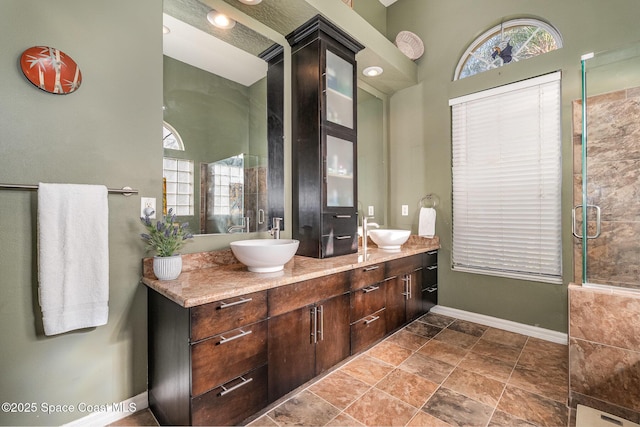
<point>213,276</point>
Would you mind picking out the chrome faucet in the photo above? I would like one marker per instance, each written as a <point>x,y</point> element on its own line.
<point>275,227</point>
<point>365,230</point>
<point>243,228</point>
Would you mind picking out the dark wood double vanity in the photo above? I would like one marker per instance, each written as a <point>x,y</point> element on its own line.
<point>224,343</point>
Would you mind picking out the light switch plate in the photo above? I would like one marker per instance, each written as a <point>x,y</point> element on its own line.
<point>370,213</point>
<point>147,203</point>
<point>405,210</point>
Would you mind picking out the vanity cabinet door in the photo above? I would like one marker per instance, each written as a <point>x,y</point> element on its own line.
<point>404,299</point>
<point>332,332</point>
<point>291,351</point>
<point>308,340</point>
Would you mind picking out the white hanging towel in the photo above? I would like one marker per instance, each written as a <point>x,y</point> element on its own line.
<point>427,222</point>
<point>73,256</point>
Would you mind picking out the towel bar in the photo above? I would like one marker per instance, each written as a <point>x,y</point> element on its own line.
<point>125,191</point>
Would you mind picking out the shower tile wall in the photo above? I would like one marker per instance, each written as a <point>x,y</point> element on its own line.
<point>255,197</point>
<point>604,326</point>
<point>613,159</point>
<point>604,351</point>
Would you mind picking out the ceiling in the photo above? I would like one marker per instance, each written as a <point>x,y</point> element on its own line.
<point>399,71</point>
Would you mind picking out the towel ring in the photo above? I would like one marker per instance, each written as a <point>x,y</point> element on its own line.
<point>429,201</point>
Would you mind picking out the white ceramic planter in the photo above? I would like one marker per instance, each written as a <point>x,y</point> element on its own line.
<point>167,268</point>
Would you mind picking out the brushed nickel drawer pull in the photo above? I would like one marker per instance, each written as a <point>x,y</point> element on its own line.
<point>432,289</point>
<point>432,267</point>
<point>371,320</point>
<point>231,304</point>
<point>370,289</point>
<point>342,237</point>
<point>342,216</point>
<point>320,332</point>
<point>432,252</point>
<point>235,387</point>
<point>235,337</point>
<point>373,267</point>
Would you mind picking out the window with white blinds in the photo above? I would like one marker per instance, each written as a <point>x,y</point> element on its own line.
<point>507,180</point>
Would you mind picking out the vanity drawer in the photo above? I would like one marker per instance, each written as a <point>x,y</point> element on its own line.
<point>367,331</point>
<point>429,276</point>
<point>339,224</point>
<point>224,357</point>
<point>430,258</point>
<point>339,244</point>
<point>404,265</point>
<point>221,316</point>
<point>367,300</point>
<point>232,402</point>
<point>364,276</point>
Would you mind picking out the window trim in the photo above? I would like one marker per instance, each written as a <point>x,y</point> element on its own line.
<point>493,30</point>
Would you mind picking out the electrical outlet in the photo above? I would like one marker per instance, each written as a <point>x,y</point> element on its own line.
<point>371,211</point>
<point>148,204</point>
<point>405,210</point>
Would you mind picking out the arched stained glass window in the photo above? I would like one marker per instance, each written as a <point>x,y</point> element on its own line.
<point>170,138</point>
<point>511,41</point>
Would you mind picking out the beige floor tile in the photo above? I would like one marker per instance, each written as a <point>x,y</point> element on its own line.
<point>304,409</point>
<point>475,386</point>
<point>456,338</point>
<point>457,409</point>
<point>431,369</point>
<point>497,351</point>
<point>410,388</point>
<point>407,340</point>
<point>390,353</point>
<point>444,352</point>
<point>487,366</point>
<point>339,389</point>
<point>505,337</point>
<point>367,369</point>
<point>533,408</point>
<point>377,408</point>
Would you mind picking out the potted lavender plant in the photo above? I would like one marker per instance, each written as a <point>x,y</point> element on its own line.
<point>165,238</point>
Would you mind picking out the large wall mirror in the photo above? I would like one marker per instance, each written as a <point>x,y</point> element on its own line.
<point>372,154</point>
<point>215,104</point>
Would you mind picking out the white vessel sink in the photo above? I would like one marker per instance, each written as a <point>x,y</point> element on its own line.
<point>264,255</point>
<point>389,239</point>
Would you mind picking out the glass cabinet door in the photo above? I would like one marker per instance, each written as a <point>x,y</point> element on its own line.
<point>339,172</point>
<point>339,84</point>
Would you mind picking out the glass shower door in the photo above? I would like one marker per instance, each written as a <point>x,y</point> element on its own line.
<point>607,175</point>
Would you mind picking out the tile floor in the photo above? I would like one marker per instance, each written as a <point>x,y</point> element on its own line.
<point>437,371</point>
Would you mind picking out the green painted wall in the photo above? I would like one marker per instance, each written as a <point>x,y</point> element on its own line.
<point>107,132</point>
<point>374,12</point>
<point>421,135</point>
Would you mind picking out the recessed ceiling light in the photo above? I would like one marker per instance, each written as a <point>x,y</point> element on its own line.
<point>165,29</point>
<point>219,20</point>
<point>251,2</point>
<point>372,71</point>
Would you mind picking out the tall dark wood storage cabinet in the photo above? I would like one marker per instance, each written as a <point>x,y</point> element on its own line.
<point>324,139</point>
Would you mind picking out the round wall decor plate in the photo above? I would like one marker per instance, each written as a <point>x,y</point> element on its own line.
<point>50,69</point>
<point>410,44</point>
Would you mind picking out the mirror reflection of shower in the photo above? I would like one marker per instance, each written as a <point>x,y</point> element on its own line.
<point>234,195</point>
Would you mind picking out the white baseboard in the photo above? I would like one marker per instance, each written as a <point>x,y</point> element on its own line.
<point>507,325</point>
<point>113,412</point>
